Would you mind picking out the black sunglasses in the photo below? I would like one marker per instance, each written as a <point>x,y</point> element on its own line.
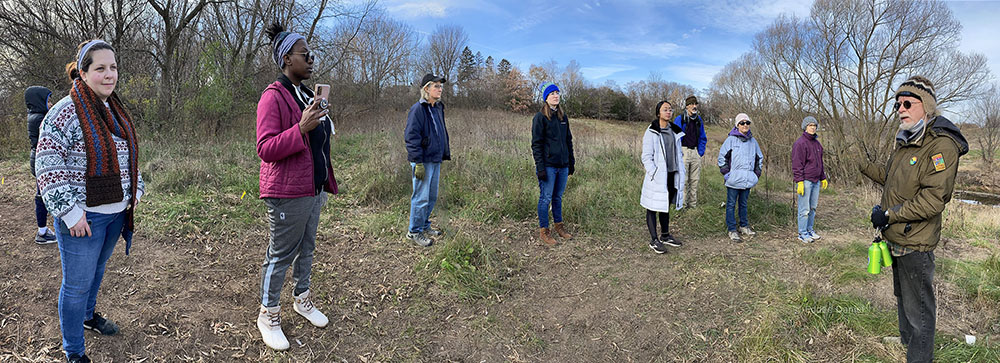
<point>308,56</point>
<point>744,123</point>
<point>906,105</point>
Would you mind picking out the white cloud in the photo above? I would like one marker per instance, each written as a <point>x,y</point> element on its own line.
<point>414,9</point>
<point>698,75</point>
<point>605,71</point>
<point>742,16</point>
<point>628,50</point>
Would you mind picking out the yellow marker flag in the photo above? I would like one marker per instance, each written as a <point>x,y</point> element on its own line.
<point>2,180</point>
<point>244,194</point>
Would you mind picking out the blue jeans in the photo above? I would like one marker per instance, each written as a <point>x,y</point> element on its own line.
<point>734,198</point>
<point>425,194</point>
<point>807,208</point>
<point>83,262</point>
<point>550,192</point>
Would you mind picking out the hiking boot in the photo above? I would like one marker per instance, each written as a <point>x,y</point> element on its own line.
<point>735,236</point>
<point>561,231</point>
<point>47,238</point>
<point>543,234</point>
<point>657,246</point>
<point>433,232</point>
<point>101,325</point>
<point>305,307</point>
<point>669,240</point>
<point>814,235</point>
<point>269,324</point>
<point>78,358</point>
<point>747,231</point>
<point>892,340</point>
<point>806,239</point>
<point>420,239</point>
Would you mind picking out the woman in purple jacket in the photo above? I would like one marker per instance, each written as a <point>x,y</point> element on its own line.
<point>809,177</point>
<point>293,142</point>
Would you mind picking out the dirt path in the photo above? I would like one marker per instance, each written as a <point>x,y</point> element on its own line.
<point>192,297</point>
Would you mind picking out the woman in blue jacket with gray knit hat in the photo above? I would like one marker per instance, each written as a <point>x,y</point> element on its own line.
<point>740,161</point>
<point>552,149</point>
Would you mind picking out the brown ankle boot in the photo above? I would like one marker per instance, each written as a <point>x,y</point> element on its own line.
<point>561,231</point>
<point>543,234</point>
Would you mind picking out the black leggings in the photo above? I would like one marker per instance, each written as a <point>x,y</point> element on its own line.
<point>651,223</point>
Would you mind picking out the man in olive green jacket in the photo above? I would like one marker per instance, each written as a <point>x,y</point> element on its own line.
<point>917,181</point>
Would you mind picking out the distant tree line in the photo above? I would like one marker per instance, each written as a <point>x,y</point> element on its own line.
<point>200,65</point>
<point>843,64</point>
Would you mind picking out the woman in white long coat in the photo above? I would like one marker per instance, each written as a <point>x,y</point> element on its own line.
<point>665,175</point>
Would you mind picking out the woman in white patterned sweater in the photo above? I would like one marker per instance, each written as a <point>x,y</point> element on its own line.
<point>87,169</point>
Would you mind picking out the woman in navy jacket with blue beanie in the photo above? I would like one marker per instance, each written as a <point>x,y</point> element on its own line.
<point>552,149</point>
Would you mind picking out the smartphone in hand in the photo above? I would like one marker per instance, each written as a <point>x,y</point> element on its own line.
<point>323,95</point>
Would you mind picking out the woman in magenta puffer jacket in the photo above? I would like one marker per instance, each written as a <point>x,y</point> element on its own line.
<point>293,142</point>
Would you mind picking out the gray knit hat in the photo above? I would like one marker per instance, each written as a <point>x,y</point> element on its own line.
<point>809,120</point>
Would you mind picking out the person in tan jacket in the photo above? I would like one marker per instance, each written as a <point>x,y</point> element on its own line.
<point>917,179</point>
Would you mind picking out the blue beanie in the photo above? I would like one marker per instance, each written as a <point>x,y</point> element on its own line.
<point>547,88</point>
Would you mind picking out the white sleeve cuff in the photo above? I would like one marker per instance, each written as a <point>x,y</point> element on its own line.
<point>73,217</point>
<point>138,195</point>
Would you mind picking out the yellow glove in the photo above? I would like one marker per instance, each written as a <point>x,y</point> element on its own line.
<point>800,188</point>
<point>823,184</point>
<point>418,171</point>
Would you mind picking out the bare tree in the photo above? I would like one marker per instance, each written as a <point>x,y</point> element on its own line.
<point>444,48</point>
<point>174,18</point>
<point>986,111</point>
<point>842,64</point>
<point>382,51</point>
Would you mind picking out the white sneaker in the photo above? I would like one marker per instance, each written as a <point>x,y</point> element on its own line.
<point>269,324</point>
<point>305,307</point>
<point>747,231</point>
<point>814,235</point>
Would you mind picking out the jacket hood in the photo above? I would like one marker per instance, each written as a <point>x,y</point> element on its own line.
<point>35,98</point>
<point>736,132</point>
<point>943,126</point>
<point>655,126</point>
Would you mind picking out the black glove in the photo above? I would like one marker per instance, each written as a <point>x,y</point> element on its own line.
<point>542,175</point>
<point>880,218</point>
<point>571,169</point>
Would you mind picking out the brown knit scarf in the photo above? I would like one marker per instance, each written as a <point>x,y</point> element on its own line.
<point>99,123</point>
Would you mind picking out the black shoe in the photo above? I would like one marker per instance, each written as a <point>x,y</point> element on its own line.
<point>101,325</point>
<point>44,239</point>
<point>657,246</point>
<point>73,358</point>
<point>669,240</point>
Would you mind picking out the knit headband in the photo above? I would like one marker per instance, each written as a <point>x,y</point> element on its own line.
<point>84,50</point>
<point>283,44</point>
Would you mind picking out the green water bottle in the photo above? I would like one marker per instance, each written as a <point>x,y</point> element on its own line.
<point>886,256</point>
<point>874,259</point>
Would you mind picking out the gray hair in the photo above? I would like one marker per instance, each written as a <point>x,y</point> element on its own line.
<point>424,95</point>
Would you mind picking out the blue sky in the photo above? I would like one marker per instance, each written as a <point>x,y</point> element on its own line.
<point>625,40</point>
